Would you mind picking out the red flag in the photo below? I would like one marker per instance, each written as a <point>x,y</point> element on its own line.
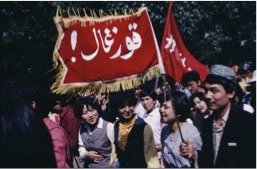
<point>176,57</point>
<point>105,54</point>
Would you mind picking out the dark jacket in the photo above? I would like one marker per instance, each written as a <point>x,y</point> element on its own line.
<point>237,145</point>
<point>133,156</point>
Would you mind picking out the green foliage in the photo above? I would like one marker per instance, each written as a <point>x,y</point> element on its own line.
<point>215,32</point>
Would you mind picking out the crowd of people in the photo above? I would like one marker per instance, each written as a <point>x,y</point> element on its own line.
<point>161,124</point>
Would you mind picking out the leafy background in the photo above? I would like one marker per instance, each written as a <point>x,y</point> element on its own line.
<point>215,32</point>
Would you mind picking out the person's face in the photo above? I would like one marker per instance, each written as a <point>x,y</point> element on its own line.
<point>148,103</point>
<point>200,105</point>
<point>137,93</point>
<point>100,97</point>
<point>90,115</point>
<point>158,91</point>
<point>249,74</point>
<point>166,88</point>
<point>33,104</point>
<point>167,112</point>
<point>126,111</point>
<point>217,96</point>
<point>193,86</point>
<point>58,107</point>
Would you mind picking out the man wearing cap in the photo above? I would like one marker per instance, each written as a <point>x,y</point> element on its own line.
<point>229,133</point>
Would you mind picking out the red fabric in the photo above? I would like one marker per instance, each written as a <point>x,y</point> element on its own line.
<point>174,58</point>
<point>61,145</point>
<point>71,125</point>
<point>101,67</point>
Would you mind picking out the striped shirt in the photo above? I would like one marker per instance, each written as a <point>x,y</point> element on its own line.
<point>217,134</point>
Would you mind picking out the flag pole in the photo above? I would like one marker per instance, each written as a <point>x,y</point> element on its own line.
<point>160,61</point>
<point>166,86</point>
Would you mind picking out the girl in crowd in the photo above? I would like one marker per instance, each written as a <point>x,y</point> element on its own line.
<point>201,106</point>
<point>177,153</point>
<point>134,140</point>
<point>95,134</point>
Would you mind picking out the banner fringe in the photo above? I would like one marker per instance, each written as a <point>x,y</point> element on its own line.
<point>78,12</point>
<point>68,12</point>
<point>94,17</point>
<point>74,12</point>
<point>106,87</point>
<point>58,11</point>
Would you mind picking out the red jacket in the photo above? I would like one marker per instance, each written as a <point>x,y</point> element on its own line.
<point>71,125</point>
<point>61,145</point>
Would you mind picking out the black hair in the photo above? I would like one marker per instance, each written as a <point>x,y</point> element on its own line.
<point>148,89</point>
<point>190,76</point>
<point>25,141</point>
<point>180,103</point>
<point>88,101</point>
<point>228,85</point>
<point>120,99</point>
<point>247,67</point>
<point>201,96</point>
<point>63,99</point>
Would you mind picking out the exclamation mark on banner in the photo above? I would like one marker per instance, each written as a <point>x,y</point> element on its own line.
<point>73,41</point>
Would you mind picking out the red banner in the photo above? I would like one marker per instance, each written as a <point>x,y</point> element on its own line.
<point>105,54</point>
<point>176,57</point>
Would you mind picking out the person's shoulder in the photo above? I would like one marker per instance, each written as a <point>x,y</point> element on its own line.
<point>242,117</point>
<point>241,113</point>
<point>189,127</point>
<point>165,129</point>
<point>68,111</point>
<point>156,112</point>
<point>165,133</point>
<point>55,130</point>
<point>108,123</point>
<point>140,121</point>
<point>50,124</point>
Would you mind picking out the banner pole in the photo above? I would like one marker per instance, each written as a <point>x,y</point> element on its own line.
<point>161,65</point>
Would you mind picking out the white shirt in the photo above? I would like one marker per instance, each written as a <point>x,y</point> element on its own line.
<point>154,120</point>
<point>139,108</point>
<point>171,144</point>
<point>110,133</point>
<point>52,116</point>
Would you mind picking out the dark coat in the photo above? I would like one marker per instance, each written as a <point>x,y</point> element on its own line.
<point>237,145</point>
<point>133,156</point>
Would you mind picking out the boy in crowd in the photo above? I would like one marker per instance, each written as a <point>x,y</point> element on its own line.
<point>229,133</point>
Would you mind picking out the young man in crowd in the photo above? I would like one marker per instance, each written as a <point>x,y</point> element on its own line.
<point>191,80</point>
<point>152,115</point>
<point>229,133</point>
